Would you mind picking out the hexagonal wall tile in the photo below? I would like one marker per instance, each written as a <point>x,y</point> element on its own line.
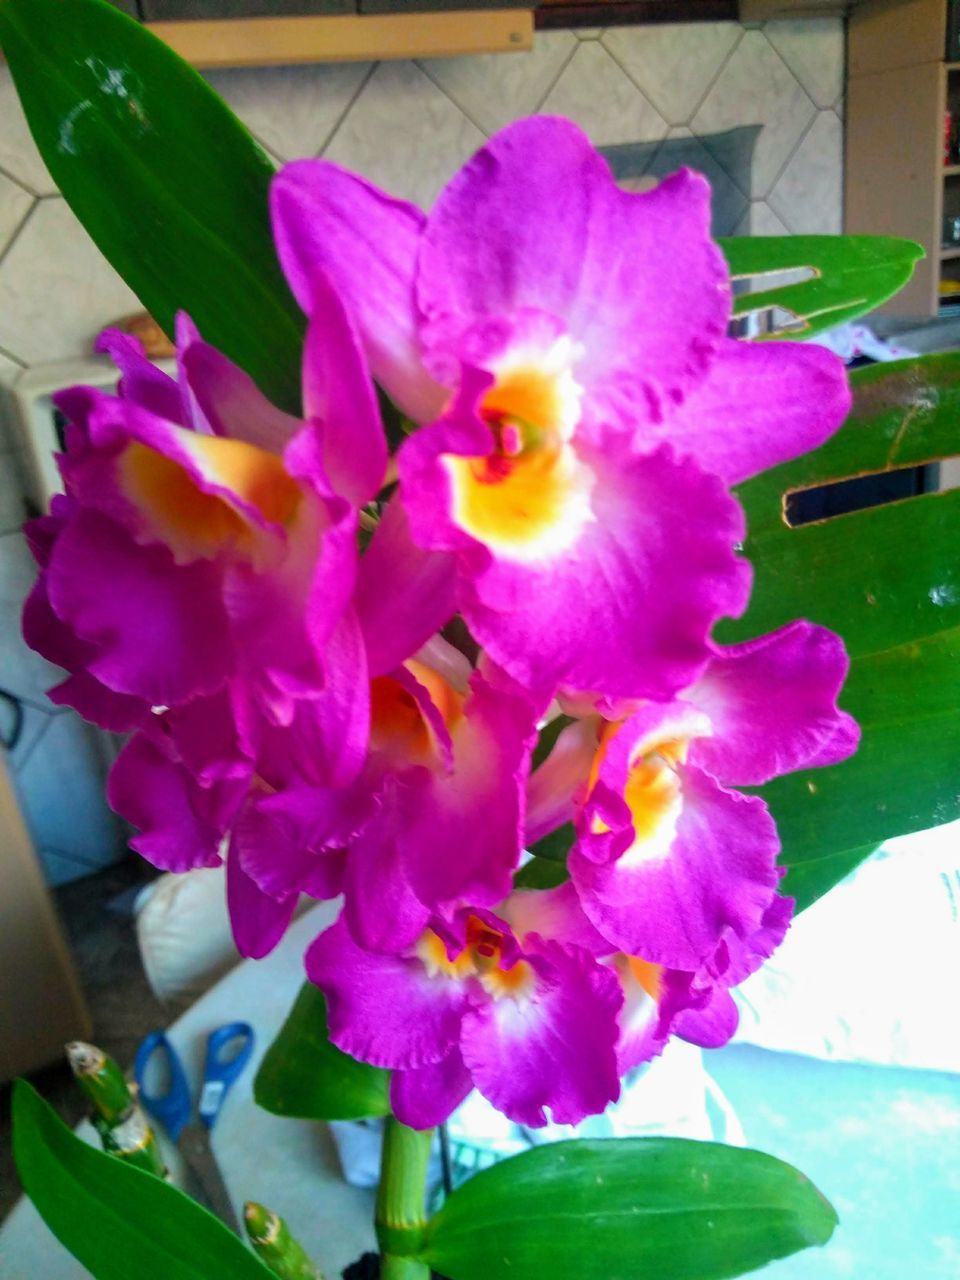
<point>757,87</point>
<point>595,92</point>
<point>495,88</point>
<point>18,151</point>
<point>404,134</point>
<point>813,49</point>
<point>56,289</point>
<point>15,204</point>
<point>808,195</point>
<point>673,64</point>
<point>291,110</point>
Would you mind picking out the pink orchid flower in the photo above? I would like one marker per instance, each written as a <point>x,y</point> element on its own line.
<point>564,341</point>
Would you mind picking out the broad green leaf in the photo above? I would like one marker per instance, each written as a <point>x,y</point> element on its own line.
<point>304,1075</point>
<point>118,1221</point>
<point>627,1208</point>
<point>850,276</point>
<point>888,580</point>
<point>541,873</point>
<point>168,183</point>
<point>556,845</point>
<point>807,881</point>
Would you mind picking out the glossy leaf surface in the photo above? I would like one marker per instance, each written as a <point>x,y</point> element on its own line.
<point>888,580</point>
<point>850,275</point>
<point>304,1075</point>
<point>118,1221</point>
<point>625,1208</point>
<point>168,183</point>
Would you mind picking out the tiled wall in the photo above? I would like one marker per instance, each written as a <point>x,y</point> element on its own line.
<point>407,125</point>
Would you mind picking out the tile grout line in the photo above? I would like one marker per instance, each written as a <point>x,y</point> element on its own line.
<point>560,71</point>
<point>364,81</point>
<point>424,66</point>
<point>24,186</point>
<point>783,168</point>
<point>18,229</point>
<point>639,89</point>
<point>719,72</point>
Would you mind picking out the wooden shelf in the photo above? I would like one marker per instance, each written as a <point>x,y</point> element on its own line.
<point>951,170</point>
<point>262,42</point>
<point>947,254</point>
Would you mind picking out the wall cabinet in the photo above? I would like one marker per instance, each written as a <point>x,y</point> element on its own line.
<point>896,179</point>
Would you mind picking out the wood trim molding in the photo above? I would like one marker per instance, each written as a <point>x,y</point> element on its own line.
<point>264,42</point>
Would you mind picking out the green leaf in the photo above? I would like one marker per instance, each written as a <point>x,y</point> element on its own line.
<point>304,1075</point>
<point>168,183</point>
<point>555,846</point>
<point>117,1221</point>
<point>541,873</point>
<point>627,1208</point>
<point>810,880</point>
<point>888,580</point>
<point>850,276</point>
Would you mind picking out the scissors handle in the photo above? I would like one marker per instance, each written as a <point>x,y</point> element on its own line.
<point>172,1108</point>
<point>228,1052</point>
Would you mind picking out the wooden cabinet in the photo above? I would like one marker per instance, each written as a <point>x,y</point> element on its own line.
<point>896,181</point>
<point>41,1005</point>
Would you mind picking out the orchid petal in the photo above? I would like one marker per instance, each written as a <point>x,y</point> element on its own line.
<point>772,706</point>
<point>553,1048</point>
<point>366,242</point>
<point>257,920</point>
<point>759,404</point>
<point>338,393</point>
<point>385,1010</point>
<point>427,1096</point>
<point>404,594</point>
<point>535,219</point>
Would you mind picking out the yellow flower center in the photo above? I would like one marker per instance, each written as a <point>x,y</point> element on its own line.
<point>481,958</point>
<point>529,498</point>
<point>195,523</point>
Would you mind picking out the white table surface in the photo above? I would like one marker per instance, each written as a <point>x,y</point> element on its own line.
<point>290,1166</point>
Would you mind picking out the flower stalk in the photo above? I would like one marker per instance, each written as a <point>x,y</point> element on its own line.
<point>401,1217</point>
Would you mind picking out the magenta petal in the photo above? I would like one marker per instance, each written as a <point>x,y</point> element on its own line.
<point>257,920</point>
<point>759,404</point>
<point>535,219</point>
<point>141,381</point>
<point>772,704</point>
<point>384,1010</point>
<point>718,872</point>
<point>656,563</point>
<point>277,856</point>
<point>427,1096</point>
<point>552,788</point>
<point>711,1025</point>
<point>159,628</point>
<point>463,831</point>
<point>553,1048</point>
<point>553,913</point>
<point>115,712</point>
<point>366,242</point>
<point>404,594</point>
<point>181,823</point>
<point>231,402</point>
<point>43,631</point>
<point>380,906</point>
<point>338,393</point>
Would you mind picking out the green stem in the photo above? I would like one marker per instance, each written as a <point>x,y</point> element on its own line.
<point>401,1215</point>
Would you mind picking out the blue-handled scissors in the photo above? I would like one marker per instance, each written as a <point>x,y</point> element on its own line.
<point>228,1052</point>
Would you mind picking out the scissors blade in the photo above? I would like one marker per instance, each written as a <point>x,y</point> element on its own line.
<point>194,1143</point>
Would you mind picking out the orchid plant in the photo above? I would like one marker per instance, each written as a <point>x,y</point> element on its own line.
<point>449,632</point>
